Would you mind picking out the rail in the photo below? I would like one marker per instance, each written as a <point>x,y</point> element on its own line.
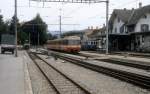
<point>57,81</point>
<point>139,80</point>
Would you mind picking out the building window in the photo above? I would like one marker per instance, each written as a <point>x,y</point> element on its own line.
<point>122,29</point>
<point>143,38</point>
<point>118,20</point>
<point>144,27</point>
<point>115,30</point>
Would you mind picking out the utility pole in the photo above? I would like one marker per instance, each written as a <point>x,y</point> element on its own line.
<point>60,26</point>
<point>107,27</point>
<point>88,1</point>
<point>29,38</point>
<point>16,53</point>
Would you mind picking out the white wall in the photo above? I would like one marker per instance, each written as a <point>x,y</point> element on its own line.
<point>142,21</point>
<point>117,25</point>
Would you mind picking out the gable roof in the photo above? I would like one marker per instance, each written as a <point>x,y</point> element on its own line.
<point>88,31</point>
<point>137,14</point>
<point>123,14</point>
<point>97,31</point>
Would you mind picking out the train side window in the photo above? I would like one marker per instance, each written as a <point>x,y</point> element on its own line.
<point>74,42</point>
<point>66,42</point>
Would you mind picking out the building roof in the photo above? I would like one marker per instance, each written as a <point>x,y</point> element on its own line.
<point>88,31</point>
<point>137,14</point>
<point>96,32</point>
<point>123,14</point>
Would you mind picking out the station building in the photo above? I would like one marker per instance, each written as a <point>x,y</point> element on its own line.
<point>129,30</point>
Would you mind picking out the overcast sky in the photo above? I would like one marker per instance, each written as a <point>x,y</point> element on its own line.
<point>82,15</point>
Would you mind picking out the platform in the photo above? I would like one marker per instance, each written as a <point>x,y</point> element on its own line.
<point>14,78</point>
<point>126,57</point>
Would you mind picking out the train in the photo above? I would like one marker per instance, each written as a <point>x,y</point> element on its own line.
<point>89,45</point>
<point>70,44</point>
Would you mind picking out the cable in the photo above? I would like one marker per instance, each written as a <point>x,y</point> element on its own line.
<point>32,7</point>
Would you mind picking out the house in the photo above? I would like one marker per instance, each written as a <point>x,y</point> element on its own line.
<point>88,43</point>
<point>129,29</point>
<point>118,30</point>
<point>99,36</point>
<point>139,29</point>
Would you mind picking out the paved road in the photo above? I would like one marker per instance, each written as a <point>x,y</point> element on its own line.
<point>11,74</point>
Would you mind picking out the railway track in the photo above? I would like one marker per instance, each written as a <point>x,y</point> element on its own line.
<point>140,55</point>
<point>135,64</point>
<point>136,79</point>
<point>59,81</point>
<point>130,63</point>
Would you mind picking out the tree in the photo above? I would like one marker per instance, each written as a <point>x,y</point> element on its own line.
<point>3,26</point>
<point>22,37</point>
<point>36,27</point>
<point>12,25</point>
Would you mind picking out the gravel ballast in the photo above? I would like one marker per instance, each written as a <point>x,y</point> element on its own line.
<point>100,83</point>
<point>40,85</point>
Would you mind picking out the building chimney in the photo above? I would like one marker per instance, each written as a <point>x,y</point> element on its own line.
<point>88,27</point>
<point>140,5</point>
<point>125,9</point>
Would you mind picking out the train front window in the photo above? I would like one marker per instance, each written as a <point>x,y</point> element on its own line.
<point>74,42</point>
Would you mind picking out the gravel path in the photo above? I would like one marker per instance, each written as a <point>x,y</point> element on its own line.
<point>40,85</point>
<point>100,83</point>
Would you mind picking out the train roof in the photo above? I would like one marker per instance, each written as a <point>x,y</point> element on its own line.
<point>66,38</point>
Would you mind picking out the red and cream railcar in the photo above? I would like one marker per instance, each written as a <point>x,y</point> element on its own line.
<point>69,44</point>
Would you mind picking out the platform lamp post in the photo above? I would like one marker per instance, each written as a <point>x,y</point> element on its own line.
<point>16,53</point>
